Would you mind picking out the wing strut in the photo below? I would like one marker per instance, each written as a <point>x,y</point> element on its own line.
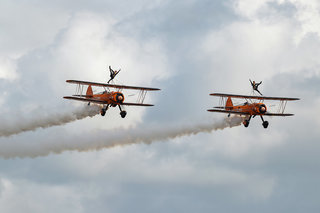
<point>142,96</point>
<point>79,89</point>
<point>282,106</point>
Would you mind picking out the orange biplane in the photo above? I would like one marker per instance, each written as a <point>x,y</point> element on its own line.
<point>108,98</point>
<point>250,108</point>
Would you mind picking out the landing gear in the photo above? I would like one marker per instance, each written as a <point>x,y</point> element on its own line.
<point>104,110</point>
<point>265,124</point>
<point>123,113</point>
<point>246,122</point>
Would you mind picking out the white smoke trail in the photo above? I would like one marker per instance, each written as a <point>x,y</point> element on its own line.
<point>106,139</point>
<point>44,119</point>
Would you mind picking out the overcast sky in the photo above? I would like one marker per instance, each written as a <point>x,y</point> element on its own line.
<point>152,161</point>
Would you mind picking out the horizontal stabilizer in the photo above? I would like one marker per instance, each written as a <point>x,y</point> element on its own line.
<point>222,107</point>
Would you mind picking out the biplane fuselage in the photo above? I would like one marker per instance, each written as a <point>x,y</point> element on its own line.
<point>251,109</point>
<point>108,98</point>
<point>111,98</point>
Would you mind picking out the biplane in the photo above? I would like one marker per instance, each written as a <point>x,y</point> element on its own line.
<point>108,98</point>
<point>250,108</point>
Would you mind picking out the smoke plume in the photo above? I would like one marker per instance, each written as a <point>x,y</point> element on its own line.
<point>42,119</point>
<point>101,139</point>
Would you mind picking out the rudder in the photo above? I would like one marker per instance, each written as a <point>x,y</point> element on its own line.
<point>89,91</point>
<point>229,104</point>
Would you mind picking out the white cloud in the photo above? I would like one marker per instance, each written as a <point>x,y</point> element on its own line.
<point>236,167</point>
<point>92,42</point>
<point>250,8</point>
<point>8,68</point>
<point>306,14</point>
<point>23,30</point>
<point>259,47</point>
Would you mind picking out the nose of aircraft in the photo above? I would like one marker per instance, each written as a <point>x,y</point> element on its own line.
<point>263,109</point>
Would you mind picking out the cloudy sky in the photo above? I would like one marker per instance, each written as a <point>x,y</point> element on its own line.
<point>57,156</point>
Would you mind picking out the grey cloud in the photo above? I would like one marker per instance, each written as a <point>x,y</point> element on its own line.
<point>282,159</point>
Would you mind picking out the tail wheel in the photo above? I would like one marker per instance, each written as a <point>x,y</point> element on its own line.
<point>123,114</point>
<point>246,123</point>
<point>265,124</point>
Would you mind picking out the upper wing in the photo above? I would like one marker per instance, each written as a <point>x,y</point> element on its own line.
<point>255,97</point>
<point>110,85</point>
<point>228,111</point>
<point>92,100</point>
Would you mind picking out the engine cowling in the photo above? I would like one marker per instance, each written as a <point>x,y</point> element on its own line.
<point>119,98</point>
<point>262,109</point>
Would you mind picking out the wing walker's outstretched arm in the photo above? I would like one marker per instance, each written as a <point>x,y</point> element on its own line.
<point>259,83</point>
<point>251,82</point>
<point>111,70</point>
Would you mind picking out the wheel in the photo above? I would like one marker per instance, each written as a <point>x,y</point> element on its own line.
<point>246,123</point>
<point>123,114</point>
<point>103,112</point>
<point>265,124</point>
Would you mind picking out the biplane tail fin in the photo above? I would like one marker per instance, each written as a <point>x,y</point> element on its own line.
<point>229,104</point>
<point>89,91</point>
